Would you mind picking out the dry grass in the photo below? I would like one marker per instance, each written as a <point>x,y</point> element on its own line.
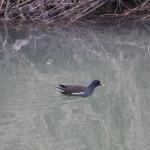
<point>50,12</point>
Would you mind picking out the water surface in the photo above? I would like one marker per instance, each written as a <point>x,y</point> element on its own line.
<point>34,116</point>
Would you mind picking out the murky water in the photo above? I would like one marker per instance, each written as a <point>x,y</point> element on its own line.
<point>34,116</point>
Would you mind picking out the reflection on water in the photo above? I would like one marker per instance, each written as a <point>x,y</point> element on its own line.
<point>34,116</point>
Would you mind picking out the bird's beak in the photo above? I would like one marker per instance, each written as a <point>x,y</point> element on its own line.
<point>103,84</point>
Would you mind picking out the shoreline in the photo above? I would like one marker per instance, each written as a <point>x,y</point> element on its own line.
<point>52,13</point>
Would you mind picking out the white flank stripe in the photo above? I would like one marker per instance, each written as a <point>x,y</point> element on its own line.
<point>78,93</point>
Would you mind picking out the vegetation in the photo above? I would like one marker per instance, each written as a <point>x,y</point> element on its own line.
<point>57,12</point>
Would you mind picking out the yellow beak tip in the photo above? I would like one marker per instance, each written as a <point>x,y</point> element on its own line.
<point>103,84</point>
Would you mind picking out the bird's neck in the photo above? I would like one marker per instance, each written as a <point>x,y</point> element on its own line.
<point>92,86</point>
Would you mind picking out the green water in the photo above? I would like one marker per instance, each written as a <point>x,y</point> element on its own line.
<point>34,116</point>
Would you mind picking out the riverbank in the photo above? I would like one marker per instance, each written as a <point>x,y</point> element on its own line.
<point>48,13</point>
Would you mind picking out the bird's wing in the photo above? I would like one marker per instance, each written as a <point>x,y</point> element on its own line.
<point>75,90</point>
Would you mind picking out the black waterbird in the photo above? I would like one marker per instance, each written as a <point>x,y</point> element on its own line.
<point>78,90</point>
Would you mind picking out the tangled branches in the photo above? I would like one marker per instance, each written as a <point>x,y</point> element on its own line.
<point>68,11</point>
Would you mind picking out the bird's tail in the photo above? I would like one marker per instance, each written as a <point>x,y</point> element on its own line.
<point>60,88</point>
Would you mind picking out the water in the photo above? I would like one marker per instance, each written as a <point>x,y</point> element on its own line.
<point>34,116</point>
